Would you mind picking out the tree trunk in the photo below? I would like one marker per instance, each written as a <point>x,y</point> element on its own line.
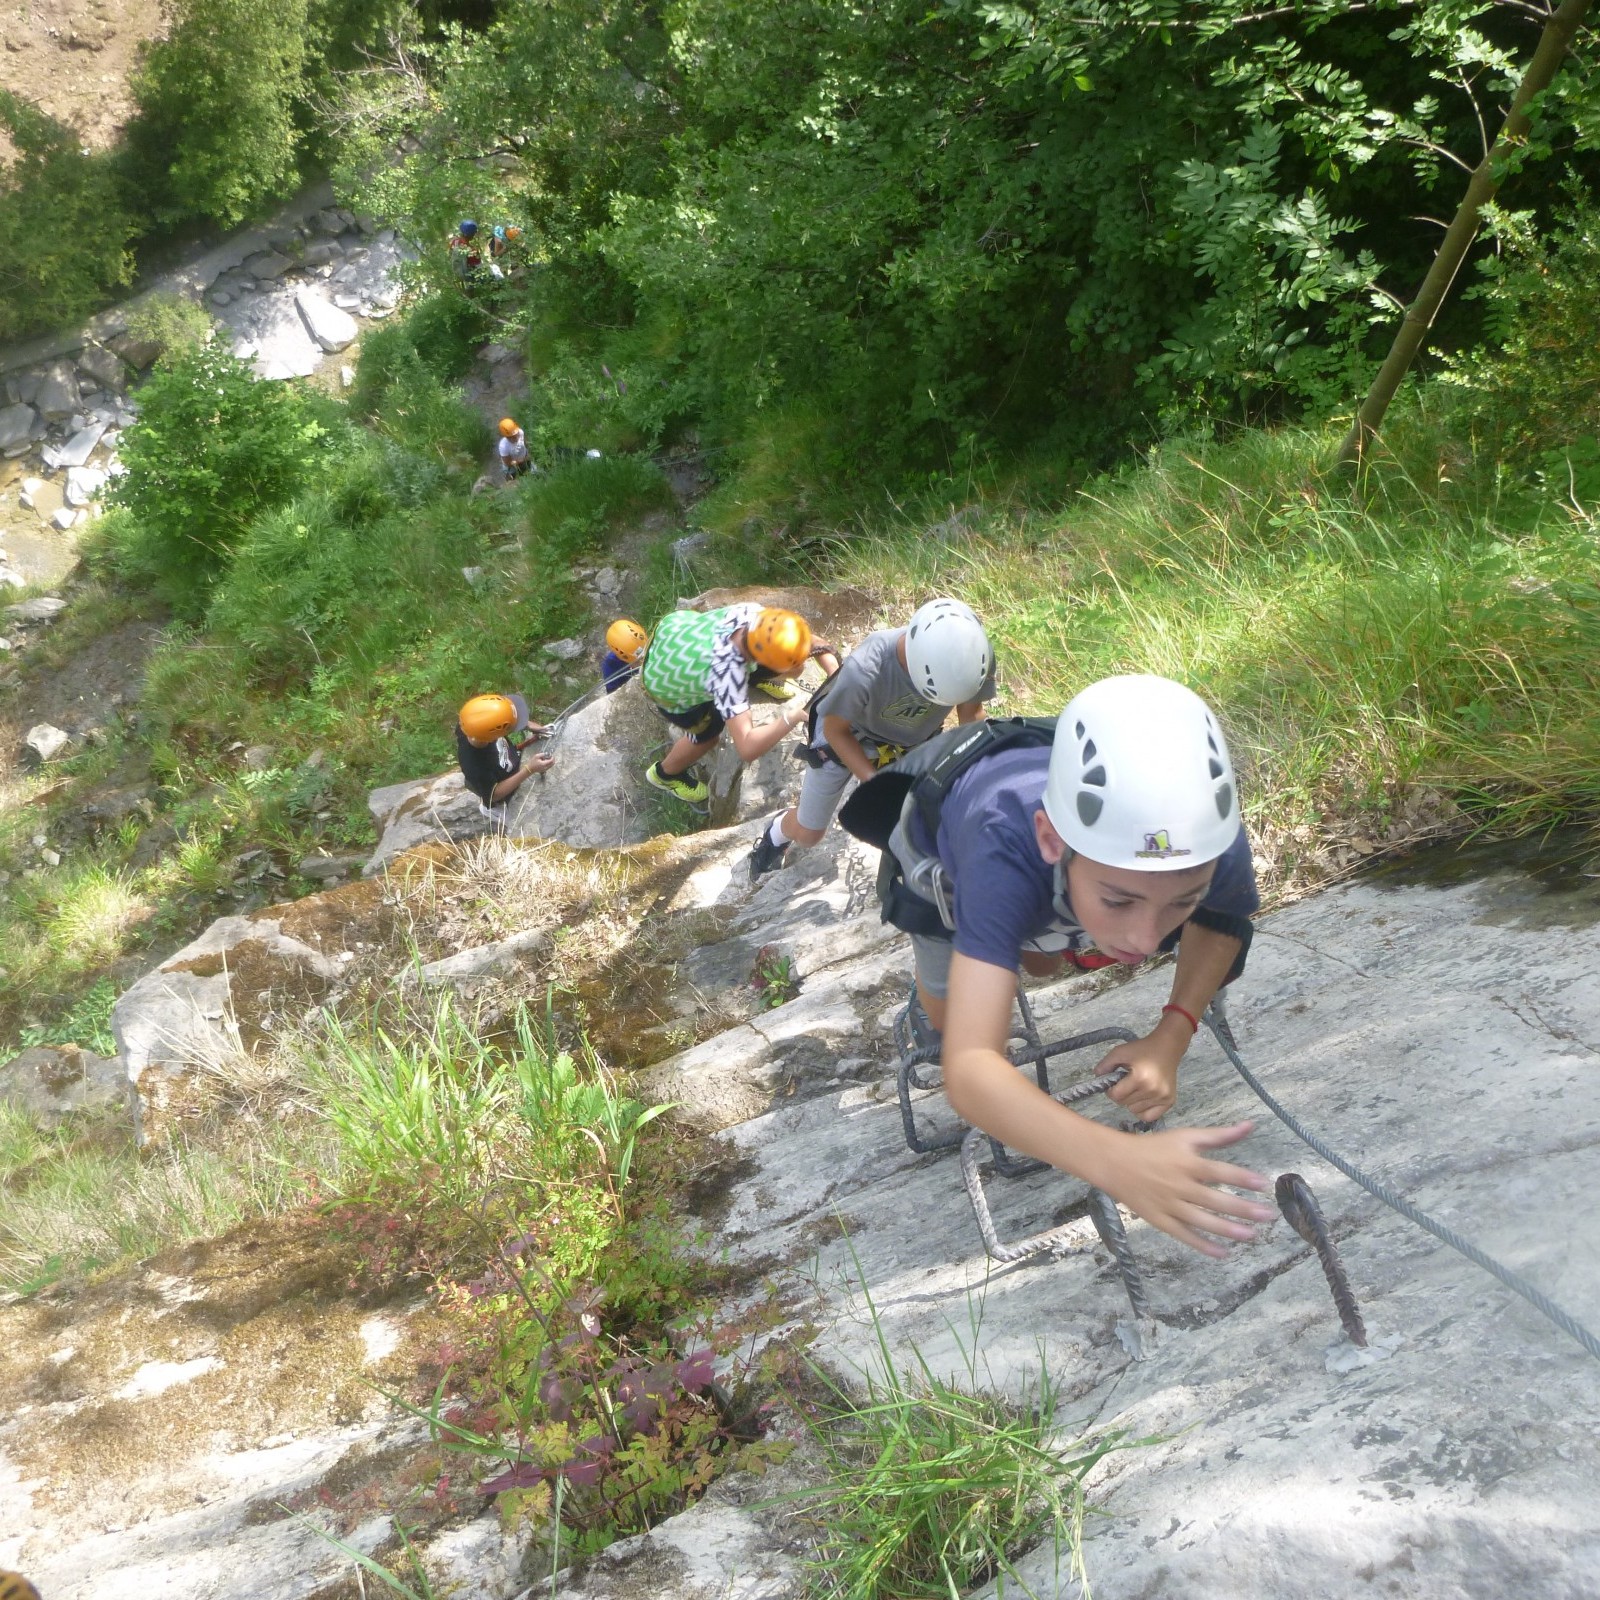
<point>1553,45</point>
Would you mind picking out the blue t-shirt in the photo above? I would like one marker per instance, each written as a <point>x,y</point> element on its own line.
<point>1003,887</point>
<point>614,671</point>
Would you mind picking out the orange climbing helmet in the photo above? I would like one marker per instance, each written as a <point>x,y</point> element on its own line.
<point>486,717</point>
<point>626,640</point>
<point>780,640</point>
<point>508,427</point>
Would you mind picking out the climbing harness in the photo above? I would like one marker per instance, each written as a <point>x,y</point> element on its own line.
<point>1216,1019</point>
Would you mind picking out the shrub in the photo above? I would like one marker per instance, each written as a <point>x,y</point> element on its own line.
<point>212,449</point>
<point>215,135</point>
<point>65,227</point>
<point>177,325</point>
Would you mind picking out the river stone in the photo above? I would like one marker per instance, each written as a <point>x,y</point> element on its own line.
<point>77,450</point>
<point>320,254</point>
<point>57,394</point>
<point>16,425</point>
<point>330,868</point>
<point>51,1082</point>
<point>102,366</point>
<point>332,328</point>
<point>138,353</point>
<point>268,265</point>
<point>46,741</point>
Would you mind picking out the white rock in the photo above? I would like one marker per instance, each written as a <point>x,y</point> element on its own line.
<point>332,328</point>
<point>51,858</point>
<point>77,450</point>
<point>12,580</point>
<point>347,302</point>
<point>46,741</point>
<point>100,364</point>
<point>564,649</point>
<point>57,394</point>
<point>63,519</point>
<point>347,377</point>
<point>607,580</point>
<point>83,484</point>
<point>473,575</point>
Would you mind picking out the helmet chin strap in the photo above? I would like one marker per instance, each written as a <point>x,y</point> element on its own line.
<point>1058,886</point>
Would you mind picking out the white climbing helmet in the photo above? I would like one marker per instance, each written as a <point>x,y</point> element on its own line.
<point>1140,777</point>
<point>947,653</point>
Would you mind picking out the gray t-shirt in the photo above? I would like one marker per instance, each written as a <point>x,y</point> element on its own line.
<point>875,695</point>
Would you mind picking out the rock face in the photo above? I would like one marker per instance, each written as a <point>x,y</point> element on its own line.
<point>101,365</point>
<point>422,812</point>
<point>57,394</point>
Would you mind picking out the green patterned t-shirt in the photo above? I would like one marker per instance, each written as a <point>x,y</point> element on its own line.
<point>691,660</point>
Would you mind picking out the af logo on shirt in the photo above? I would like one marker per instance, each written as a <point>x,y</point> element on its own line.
<point>906,709</point>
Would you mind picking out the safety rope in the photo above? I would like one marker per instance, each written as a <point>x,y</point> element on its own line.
<point>1568,1324</point>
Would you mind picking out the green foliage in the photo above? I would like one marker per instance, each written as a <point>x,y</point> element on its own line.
<point>1533,388</point>
<point>212,449</point>
<point>177,324</point>
<point>87,1023</point>
<point>215,135</point>
<point>933,1487</point>
<point>65,224</point>
<point>1382,658</point>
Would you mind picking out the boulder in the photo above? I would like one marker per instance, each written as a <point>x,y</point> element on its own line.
<point>258,757</point>
<point>422,812</point>
<point>202,1006</point>
<point>46,741</point>
<point>57,394</point>
<point>64,519</point>
<point>104,367</point>
<point>272,326</point>
<point>51,1082</point>
<point>320,254</point>
<point>17,424</point>
<point>331,220</point>
<point>138,353</point>
<point>565,649</point>
<point>267,265</point>
<point>332,328</point>
<point>42,608</point>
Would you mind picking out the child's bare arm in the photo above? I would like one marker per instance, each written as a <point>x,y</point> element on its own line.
<point>1164,1177</point>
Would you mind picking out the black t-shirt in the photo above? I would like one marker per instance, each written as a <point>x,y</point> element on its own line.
<point>483,766</point>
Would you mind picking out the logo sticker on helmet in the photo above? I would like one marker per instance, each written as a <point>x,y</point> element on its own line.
<point>1158,847</point>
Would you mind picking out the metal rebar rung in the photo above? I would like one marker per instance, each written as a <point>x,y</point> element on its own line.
<point>1107,1222</point>
<point>971,1149</point>
<point>1301,1211</point>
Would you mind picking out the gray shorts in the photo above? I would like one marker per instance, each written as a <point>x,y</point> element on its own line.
<point>932,957</point>
<point>820,792</point>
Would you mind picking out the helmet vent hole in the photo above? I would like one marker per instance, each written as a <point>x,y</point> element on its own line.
<point>1079,729</point>
<point>1089,752</point>
<point>1089,808</point>
<point>1224,800</point>
<point>1096,776</point>
<point>1216,768</point>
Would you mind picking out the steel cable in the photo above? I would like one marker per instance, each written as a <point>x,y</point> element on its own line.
<point>1541,1302</point>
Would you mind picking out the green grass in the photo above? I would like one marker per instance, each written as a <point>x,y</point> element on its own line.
<point>933,1486</point>
<point>1419,636</point>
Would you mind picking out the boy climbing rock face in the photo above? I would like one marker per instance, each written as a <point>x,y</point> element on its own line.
<point>700,670</point>
<point>492,766</point>
<point>1123,835</point>
<point>894,692</point>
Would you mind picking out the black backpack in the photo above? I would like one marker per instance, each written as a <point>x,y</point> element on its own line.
<point>870,814</point>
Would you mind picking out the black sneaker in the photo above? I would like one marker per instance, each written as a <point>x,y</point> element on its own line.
<point>766,856</point>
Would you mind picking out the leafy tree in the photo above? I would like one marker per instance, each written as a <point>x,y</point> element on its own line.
<point>65,227</point>
<point>215,136</point>
<point>212,449</point>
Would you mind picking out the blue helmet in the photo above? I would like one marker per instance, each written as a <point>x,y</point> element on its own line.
<point>468,228</point>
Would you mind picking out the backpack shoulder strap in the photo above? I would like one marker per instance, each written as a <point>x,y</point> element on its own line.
<point>985,738</point>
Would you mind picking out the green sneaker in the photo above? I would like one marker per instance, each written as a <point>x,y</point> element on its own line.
<point>779,689</point>
<point>690,790</point>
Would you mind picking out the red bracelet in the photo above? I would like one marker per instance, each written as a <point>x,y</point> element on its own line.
<point>1187,1015</point>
